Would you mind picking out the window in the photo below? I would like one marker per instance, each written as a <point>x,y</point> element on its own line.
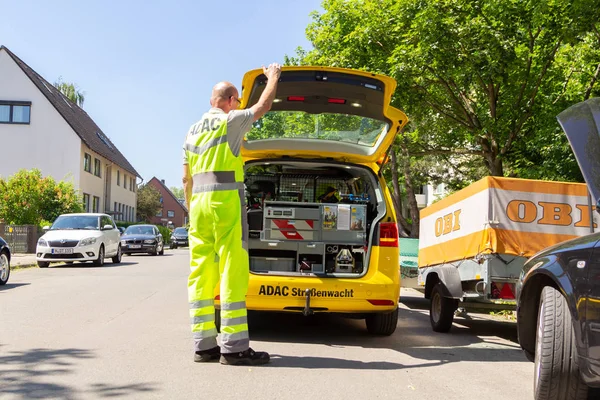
<point>115,208</point>
<point>86,202</point>
<point>131,185</point>
<point>132,214</point>
<point>97,166</point>
<point>125,181</point>
<point>118,179</point>
<point>170,214</point>
<point>96,204</point>
<point>87,163</point>
<point>159,214</point>
<point>15,112</point>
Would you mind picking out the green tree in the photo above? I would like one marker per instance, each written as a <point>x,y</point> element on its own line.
<point>178,192</point>
<point>71,91</point>
<point>148,202</point>
<point>482,81</point>
<point>28,198</point>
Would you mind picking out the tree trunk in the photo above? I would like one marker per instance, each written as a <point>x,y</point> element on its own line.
<point>494,164</point>
<point>410,193</point>
<point>403,224</point>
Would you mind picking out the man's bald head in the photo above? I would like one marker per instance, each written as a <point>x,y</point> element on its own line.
<point>224,96</point>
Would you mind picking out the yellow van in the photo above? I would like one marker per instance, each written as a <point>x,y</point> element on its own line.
<point>323,230</point>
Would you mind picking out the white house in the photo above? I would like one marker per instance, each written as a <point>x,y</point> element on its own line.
<point>40,128</point>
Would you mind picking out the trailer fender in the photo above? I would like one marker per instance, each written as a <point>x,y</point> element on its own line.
<point>449,277</point>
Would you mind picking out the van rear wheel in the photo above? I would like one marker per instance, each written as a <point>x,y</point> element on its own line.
<point>382,323</point>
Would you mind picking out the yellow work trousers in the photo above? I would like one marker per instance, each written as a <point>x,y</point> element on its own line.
<point>218,246</point>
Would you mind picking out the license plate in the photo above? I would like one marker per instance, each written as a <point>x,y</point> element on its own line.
<point>135,246</point>
<point>62,251</point>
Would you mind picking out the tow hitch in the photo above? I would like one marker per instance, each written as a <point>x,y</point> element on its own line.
<point>307,310</point>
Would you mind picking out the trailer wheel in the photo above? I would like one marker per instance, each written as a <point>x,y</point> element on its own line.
<point>556,369</point>
<point>382,323</point>
<point>441,309</point>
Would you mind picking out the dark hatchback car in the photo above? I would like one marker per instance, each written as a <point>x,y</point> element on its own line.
<point>4,262</point>
<point>558,294</point>
<point>179,238</point>
<point>142,239</point>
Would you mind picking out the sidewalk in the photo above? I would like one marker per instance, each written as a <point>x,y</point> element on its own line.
<point>22,260</point>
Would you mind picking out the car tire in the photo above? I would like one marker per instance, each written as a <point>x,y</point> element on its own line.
<point>162,250</point>
<point>383,324</point>
<point>556,371</point>
<point>43,264</point>
<point>4,268</point>
<point>99,262</point>
<point>441,309</point>
<point>117,259</point>
<point>174,246</point>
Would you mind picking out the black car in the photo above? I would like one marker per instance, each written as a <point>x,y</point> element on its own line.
<point>558,294</point>
<point>142,239</point>
<point>4,262</point>
<point>179,238</point>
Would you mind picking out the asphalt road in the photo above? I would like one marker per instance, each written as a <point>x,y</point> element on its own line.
<point>121,331</point>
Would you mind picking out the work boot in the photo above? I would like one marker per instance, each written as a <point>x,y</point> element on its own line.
<point>207,355</point>
<point>248,357</point>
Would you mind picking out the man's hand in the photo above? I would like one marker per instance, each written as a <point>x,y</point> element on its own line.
<point>272,72</point>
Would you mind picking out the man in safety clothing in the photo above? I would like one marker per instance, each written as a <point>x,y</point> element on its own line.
<point>218,235</point>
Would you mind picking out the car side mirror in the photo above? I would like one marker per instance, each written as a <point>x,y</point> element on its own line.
<point>46,228</point>
<point>107,227</point>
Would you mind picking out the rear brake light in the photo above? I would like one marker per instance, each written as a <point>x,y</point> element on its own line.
<point>337,101</point>
<point>218,297</point>
<point>503,291</point>
<point>295,98</point>
<point>388,234</point>
<point>381,302</point>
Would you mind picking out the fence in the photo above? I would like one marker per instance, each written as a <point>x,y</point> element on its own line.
<point>20,238</point>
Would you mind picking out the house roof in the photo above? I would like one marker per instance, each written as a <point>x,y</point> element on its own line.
<point>158,181</point>
<point>76,117</point>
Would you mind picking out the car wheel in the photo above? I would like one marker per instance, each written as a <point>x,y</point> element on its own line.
<point>43,264</point>
<point>117,259</point>
<point>382,323</point>
<point>441,309</point>
<point>4,268</point>
<point>162,249</point>
<point>99,262</point>
<point>556,359</point>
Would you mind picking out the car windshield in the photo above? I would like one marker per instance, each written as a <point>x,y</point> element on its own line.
<point>76,222</point>
<point>180,231</point>
<point>139,230</point>
<point>326,126</point>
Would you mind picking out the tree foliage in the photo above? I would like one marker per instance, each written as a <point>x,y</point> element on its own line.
<point>71,91</point>
<point>178,192</point>
<point>148,202</point>
<point>482,81</point>
<point>27,198</point>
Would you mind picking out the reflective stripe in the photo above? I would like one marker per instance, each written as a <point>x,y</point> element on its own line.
<point>235,346</point>
<point>202,303</point>
<point>202,318</point>
<point>217,187</point>
<point>238,305</point>
<point>234,321</point>
<point>211,333</point>
<point>229,337</point>
<point>212,177</point>
<point>211,143</point>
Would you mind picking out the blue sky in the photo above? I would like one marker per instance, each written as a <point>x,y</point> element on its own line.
<point>147,67</point>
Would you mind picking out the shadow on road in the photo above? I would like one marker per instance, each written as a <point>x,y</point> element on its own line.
<point>88,265</point>
<point>28,375</point>
<point>9,286</point>
<point>469,340</point>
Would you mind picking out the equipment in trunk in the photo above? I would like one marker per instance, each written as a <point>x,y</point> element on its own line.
<point>309,221</point>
